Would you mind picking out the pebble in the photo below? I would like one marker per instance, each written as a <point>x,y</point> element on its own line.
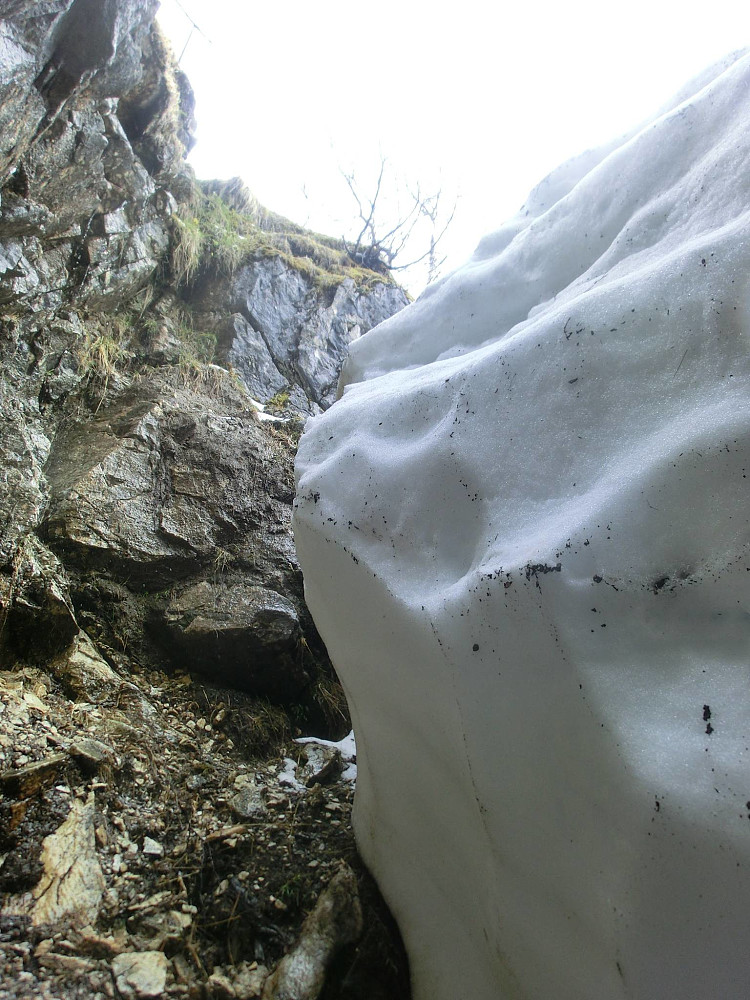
<point>140,974</point>
<point>151,846</point>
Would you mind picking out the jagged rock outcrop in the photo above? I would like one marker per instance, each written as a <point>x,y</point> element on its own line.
<point>170,509</point>
<point>145,504</point>
<point>284,304</point>
<point>83,226</point>
<point>83,216</point>
<point>285,333</point>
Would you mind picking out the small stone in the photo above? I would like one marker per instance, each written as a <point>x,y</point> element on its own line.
<point>242,982</point>
<point>182,968</point>
<point>140,974</point>
<point>25,781</point>
<point>33,701</point>
<point>91,751</point>
<point>152,847</point>
<point>84,671</point>
<point>250,800</point>
<point>66,964</point>
<point>328,771</point>
<point>72,884</point>
<point>277,800</point>
<point>102,946</point>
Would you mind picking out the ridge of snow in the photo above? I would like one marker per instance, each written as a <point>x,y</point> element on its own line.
<point>525,535</point>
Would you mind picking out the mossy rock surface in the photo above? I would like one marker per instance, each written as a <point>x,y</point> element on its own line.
<point>223,227</point>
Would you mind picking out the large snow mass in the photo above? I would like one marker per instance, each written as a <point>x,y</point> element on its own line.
<point>524,532</point>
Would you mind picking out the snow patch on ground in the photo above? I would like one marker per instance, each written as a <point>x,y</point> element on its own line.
<point>347,747</point>
<point>288,776</point>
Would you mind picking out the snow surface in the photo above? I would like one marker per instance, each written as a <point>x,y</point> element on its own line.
<point>524,533</point>
<point>347,747</point>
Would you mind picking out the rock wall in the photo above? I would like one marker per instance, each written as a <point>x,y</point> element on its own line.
<point>524,530</point>
<point>283,334</point>
<point>156,652</point>
<point>145,500</point>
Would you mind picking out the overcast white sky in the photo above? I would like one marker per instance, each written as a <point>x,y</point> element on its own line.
<point>483,99</point>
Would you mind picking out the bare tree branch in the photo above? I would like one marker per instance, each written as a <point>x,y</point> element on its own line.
<point>383,238</point>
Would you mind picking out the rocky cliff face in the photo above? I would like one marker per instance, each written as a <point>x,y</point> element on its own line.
<point>147,569</point>
<point>146,501</point>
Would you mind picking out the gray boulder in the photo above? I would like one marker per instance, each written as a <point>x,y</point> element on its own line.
<point>251,635</point>
<point>171,511</point>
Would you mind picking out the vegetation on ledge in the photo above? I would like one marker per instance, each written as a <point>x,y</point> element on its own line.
<point>222,226</point>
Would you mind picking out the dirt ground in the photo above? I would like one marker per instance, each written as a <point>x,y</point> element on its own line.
<point>187,838</point>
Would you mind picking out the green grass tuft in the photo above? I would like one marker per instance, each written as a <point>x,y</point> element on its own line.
<point>211,237</point>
